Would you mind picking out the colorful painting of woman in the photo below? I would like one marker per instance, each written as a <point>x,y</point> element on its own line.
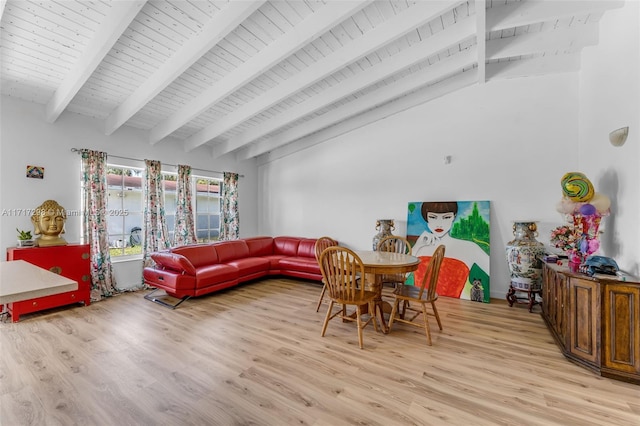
<point>463,227</point>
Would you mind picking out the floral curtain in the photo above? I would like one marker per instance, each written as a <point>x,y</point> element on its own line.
<point>185,230</point>
<point>230,227</point>
<point>156,236</point>
<point>94,222</point>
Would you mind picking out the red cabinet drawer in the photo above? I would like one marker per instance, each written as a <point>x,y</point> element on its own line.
<point>72,261</point>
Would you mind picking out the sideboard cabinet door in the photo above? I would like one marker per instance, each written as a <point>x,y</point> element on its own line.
<point>621,328</point>
<point>554,293</point>
<point>584,320</point>
<point>72,261</point>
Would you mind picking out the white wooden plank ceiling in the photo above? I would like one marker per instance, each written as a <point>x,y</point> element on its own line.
<point>265,78</point>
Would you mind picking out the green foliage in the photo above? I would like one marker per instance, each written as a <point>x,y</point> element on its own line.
<point>119,171</point>
<point>126,251</point>
<point>24,235</point>
<point>473,228</point>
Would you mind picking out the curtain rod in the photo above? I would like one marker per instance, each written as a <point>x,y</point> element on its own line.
<point>164,164</point>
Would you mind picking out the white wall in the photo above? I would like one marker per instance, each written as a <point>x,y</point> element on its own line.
<point>507,141</point>
<point>27,139</point>
<point>610,99</point>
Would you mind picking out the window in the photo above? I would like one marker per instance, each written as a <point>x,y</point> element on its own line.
<point>124,210</point>
<point>169,185</point>
<point>207,208</point>
<point>125,207</point>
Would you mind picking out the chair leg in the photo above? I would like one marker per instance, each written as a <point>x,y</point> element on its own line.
<point>324,289</point>
<point>394,311</point>
<point>426,322</point>
<point>435,314</point>
<point>326,319</point>
<point>372,309</point>
<point>359,323</point>
<point>405,305</point>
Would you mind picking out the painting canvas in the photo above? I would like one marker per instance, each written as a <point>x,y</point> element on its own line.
<point>463,227</point>
<point>35,172</point>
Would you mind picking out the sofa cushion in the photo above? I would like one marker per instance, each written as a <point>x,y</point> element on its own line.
<point>173,262</point>
<point>260,246</point>
<point>231,250</point>
<point>214,274</point>
<point>307,248</point>
<point>274,261</point>
<point>198,254</point>
<point>303,264</point>
<point>286,245</point>
<point>251,265</point>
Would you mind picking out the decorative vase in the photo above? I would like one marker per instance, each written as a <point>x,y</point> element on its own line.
<point>575,257</point>
<point>523,257</point>
<point>384,228</point>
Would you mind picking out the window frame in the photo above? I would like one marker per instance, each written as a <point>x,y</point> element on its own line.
<point>194,182</point>
<point>139,171</point>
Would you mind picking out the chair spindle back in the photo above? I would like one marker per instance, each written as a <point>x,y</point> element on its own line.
<point>430,280</point>
<point>341,268</point>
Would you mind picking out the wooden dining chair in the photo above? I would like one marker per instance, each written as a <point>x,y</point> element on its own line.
<point>394,244</point>
<point>419,297</point>
<point>321,244</point>
<point>341,269</point>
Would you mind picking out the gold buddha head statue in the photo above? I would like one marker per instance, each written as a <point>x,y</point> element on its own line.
<point>48,220</point>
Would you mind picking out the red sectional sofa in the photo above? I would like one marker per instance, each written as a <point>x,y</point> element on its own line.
<point>200,269</point>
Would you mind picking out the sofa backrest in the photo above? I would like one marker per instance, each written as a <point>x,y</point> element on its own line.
<point>307,248</point>
<point>198,254</point>
<point>259,246</point>
<point>287,246</point>
<point>231,250</point>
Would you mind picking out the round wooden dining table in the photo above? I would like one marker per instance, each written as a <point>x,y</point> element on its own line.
<point>378,263</point>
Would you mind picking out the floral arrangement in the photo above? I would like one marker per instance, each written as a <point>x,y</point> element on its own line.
<point>564,237</point>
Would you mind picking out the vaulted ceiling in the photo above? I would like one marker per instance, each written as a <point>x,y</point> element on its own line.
<point>255,77</point>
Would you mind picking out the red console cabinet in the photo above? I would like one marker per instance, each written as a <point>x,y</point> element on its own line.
<point>72,261</point>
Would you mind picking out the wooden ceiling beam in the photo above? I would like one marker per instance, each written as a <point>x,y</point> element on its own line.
<point>216,29</point>
<point>3,3</point>
<point>307,30</point>
<point>561,40</point>
<point>430,75</point>
<point>371,41</point>
<point>534,67</point>
<point>407,58</point>
<point>481,37</point>
<point>426,94</point>
<point>114,24</point>
<point>522,13</point>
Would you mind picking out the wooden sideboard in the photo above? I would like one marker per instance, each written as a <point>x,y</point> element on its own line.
<point>71,261</point>
<point>594,320</point>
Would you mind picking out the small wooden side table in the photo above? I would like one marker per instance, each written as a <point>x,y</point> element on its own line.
<point>530,298</point>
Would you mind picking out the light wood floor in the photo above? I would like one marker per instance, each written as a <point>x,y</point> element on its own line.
<point>253,355</point>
